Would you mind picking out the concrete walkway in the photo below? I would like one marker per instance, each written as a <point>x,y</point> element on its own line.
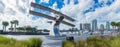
<point>52,43</point>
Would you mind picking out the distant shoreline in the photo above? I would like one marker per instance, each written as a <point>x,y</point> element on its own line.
<point>22,33</point>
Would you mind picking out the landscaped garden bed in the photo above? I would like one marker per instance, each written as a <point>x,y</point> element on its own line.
<point>94,42</point>
<point>10,42</point>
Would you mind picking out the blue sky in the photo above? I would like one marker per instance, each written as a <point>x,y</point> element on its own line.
<point>83,11</point>
<point>60,4</point>
<point>96,4</point>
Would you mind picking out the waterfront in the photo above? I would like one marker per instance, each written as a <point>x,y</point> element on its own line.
<point>46,42</point>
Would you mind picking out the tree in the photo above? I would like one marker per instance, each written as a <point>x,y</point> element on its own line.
<point>113,25</point>
<point>118,25</point>
<point>5,24</point>
<point>20,28</point>
<point>11,28</point>
<point>28,28</point>
<point>16,22</point>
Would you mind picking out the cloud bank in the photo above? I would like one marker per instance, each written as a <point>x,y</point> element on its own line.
<point>18,9</point>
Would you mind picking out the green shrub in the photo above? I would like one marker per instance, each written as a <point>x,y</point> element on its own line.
<point>10,42</point>
<point>5,40</point>
<point>97,42</point>
<point>35,42</point>
<point>68,44</point>
<point>115,42</point>
<point>81,43</point>
<point>94,42</point>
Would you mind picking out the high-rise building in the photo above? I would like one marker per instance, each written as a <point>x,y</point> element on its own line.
<point>108,25</point>
<point>86,26</point>
<point>102,27</point>
<point>81,26</point>
<point>94,25</point>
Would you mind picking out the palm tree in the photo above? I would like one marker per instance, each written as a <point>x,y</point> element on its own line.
<point>5,24</point>
<point>113,25</point>
<point>118,25</point>
<point>20,28</point>
<point>16,22</point>
<point>28,28</point>
<point>11,25</point>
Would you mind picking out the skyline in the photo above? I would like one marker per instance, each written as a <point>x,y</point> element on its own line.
<point>102,10</point>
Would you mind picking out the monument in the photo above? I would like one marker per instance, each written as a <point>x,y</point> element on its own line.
<point>55,20</point>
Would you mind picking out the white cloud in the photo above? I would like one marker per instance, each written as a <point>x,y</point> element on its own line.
<point>18,9</point>
<point>45,1</point>
<point>76,11</point>
<point>106,13</point>
<point>2,7</point>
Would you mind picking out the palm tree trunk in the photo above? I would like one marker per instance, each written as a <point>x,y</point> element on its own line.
<point>118,28</point>
<point>5,28</point>
<point>11,27</point>
<point>113,28</point>
<point>15,27</point>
